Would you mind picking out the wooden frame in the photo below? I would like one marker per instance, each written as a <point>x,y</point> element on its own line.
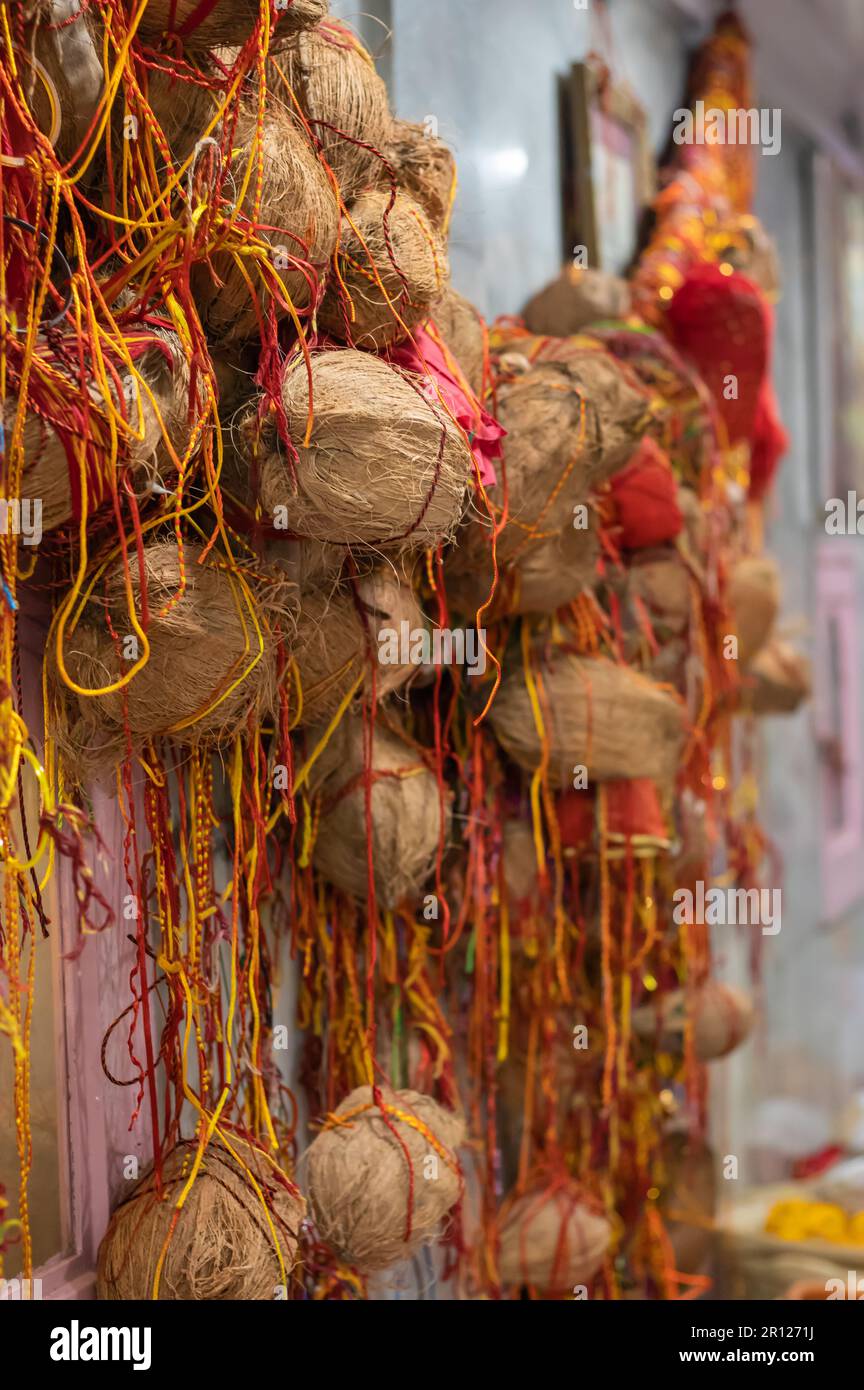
<point>583,97</point>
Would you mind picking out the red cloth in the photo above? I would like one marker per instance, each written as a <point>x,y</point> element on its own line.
<point>723,323</point>
<point>425,357</point>
<point>646,499</point>
<point>770,442</point>
<point>632,808</point>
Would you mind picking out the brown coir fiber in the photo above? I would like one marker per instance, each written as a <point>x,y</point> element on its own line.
<point>357,1176</point>
<point>385,465</point>
<point>207,669</point>
<point>544,576</point>
<point>299,219</point>
<point>753,595</point>
<point>222,1246</point>
<point>329,73</point>
<point>155,399</point>
<point>779,679</point>
<point>425,170</point>
<point>229,21</point>
<point>406,815</point>
<point>337,638</point>
<point>461,329</point>
<point>721,1015</point>
<point>392,267</point>
<point>551,1240</point>
<point>577,298</point>
<point>663,583</point>
<point>66,42</point>
<point>597,714</point>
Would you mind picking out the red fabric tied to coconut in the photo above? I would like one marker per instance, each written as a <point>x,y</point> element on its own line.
<point>632,809</point>
<point>723,323</point>
<point>770,442</point>
<point>645,495</point>
<point>425,357</point>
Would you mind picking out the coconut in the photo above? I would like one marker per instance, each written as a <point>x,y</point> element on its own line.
<point>425,169</point>
<point>753,595</point>
<point>334,639</point>
<point>662,582</point>
<point>552,1240</point>
<point>299,221</point>
<point>228,22</point>
<point>463,333</point>
<point>207,669</point>
<point>575,299</point>
<point>689,1201</point>
<point>381,1184</point>
<point>519,860</point>
<point>391,268</point>
<point>62,73</point>
<point>385,465</point>
<point>155,399</point>
<point>229,1242</point>
<point>332,77</point>
<point>597,714</point>
<point>779,679</point>
<point>546,575</point>
<point>405,812</point>
<point>184,105</point>
<point>722,1018</point>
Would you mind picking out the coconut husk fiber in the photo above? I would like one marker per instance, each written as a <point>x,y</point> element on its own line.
<point>545,576</point>
<point>597,714</point>
<point>229,22</point>
<point>461,329</point>
<point>425,170</point>
<point>222,1246</point>
<point>385,465</point>
<point>331,645</point>
<point>332,77</point>
<point>406,815</point>
<point>753,595</point>
<point>299,219</point>
<point>156,403</point>
<point>357,1176</point>
<point>575,299</point>
<point>663,583</point>
<point>392,267</point>
<point>64,52</point>
<point>779,679</point>
<point>184,105</point>
<point>722,1018</point>
<point>201,679</point>
<point>551,1240</point>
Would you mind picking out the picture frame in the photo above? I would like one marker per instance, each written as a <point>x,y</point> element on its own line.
<point>609,174</point>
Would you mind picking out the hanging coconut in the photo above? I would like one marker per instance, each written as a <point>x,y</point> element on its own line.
<point>385,465</point>
<point>597,714</point>
<point>722,1018</point>
<point>662,582</point>
<point>184,102</point>
<point>408,821</point>
<point>211,659</point>
<point>779,679</point>
<point>575,299</point>
<point>381,1184</point>
<point>463,334</point>
<point>425,170</point>
<point>153,403</point>
<point>391,268</point>
<point>543,577</point>
<point>753,595</point>
<point>519,860</point>
<point>298,222</point>
<point>339,634</point>
<point>63,78</point>
<point>227,22</point>
<point>330,74</point>
<point>229,1241</point>
<point>551,1240</point>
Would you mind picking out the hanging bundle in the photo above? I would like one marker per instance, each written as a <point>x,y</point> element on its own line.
<point>425,170</point>
<point>339,633</point>
<point>721,1017</point>
<point>410,815</point>
<point>779,679</point>
<point>543,576</point>
<point>227,1229</point>
<point>383,1174</point>
<point>223,23</point>
<point>753,595</point>
<point>552,1240</point>
<point>64,80</point>
<point>384,465</point>
<point>463,333</point>
<point>390,269</point>
<point>577,298</point>
<point>328,72</point>
<point>595,714</point>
